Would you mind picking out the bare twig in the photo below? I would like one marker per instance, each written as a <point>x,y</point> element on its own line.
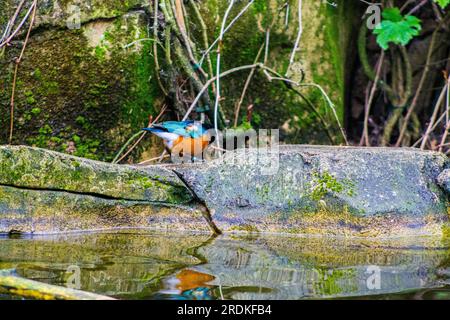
<point>324,94</point>
<point>405,5</point>
<point>417,7</point>
<point>286,19</point>
<point>140,134</point>
<point>12,21</point>
<point>205,37</point>
<point>14,33</point>
<point>447,116</point>
<point>420,86</point>
<point>13,91</point>
<point>210,81</point>
<point>266,50</point>
<point>434,115</point>
<point>246,85</point>
<point>216,103</point>
<point>370,100</point>
<point>263,67</point>
<point>432,129</point>
<point>154,159</point>
<point>299,36</point>
<point>155,47</point>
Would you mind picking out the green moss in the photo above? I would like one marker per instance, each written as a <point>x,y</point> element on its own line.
<point>323,183</point>
<point>333,282</point>
<point>245,228</point>
<point>41,169</point>
<point>36,111</point>
<point>263,192</point>
<point>100,52</point>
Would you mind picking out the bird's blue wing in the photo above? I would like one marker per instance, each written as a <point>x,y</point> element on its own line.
<point>177,127</point>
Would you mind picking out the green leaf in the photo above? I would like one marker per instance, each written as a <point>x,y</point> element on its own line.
<point>392,14</point>
<point>443,3</point>
<point>396,28</point>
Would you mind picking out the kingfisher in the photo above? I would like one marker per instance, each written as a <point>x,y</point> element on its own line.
<point>187,138</point>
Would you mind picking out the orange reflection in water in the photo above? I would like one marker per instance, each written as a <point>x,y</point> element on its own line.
<point>190,279</point>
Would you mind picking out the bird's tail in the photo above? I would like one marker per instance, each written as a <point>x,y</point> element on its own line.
<point>154,129</point>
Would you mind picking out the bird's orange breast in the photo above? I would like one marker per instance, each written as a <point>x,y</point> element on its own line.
<point>191,146</point>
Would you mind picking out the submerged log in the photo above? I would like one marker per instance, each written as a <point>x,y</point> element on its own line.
<point>14,285</point>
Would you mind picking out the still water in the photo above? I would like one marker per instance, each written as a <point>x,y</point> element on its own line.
<point>155,265</point>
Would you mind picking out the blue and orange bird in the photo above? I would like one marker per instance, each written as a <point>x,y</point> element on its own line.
<point>185,138</point>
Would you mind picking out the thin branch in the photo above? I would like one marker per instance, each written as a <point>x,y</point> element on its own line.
<point>370,100</point>
<point>246,85</point>
<point>417,7</point>
<point>12,21</point>
<point>266,50</point>
<point>432,129</point>
<point>251,66</point>
<point>154,159</point>
<point>142,135</point>
<point>405,5</point>
<point>447,115</point>
<point>210,81</point>
<point>433,116</point>
<point>155,48</point>
<point>286,19</point>
<point>420,86</point>
<point>324,94</point>
<point>216,103</point>
<point>13,91</point>
<point>299,36</point>
<point>205,37</point>
<point>25,18</point>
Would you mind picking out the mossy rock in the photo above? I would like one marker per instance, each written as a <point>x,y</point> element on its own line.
<point>365,192</point>
<point>47,212</point>
<point>33,168</point>
<point>324,190</point>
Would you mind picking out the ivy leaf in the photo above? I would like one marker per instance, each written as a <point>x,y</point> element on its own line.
<point>443,3</point>
<point>396,28</point>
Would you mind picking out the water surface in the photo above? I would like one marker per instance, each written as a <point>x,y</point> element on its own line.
<point>156,265</point>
